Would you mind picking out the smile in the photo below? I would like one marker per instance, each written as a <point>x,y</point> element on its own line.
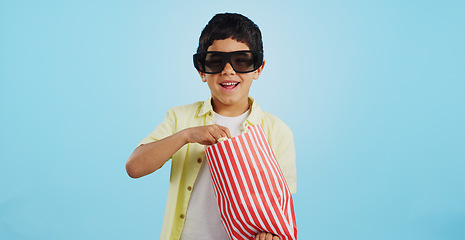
<point>229,85</point>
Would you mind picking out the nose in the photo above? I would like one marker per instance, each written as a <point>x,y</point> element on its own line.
<point>228,69</point>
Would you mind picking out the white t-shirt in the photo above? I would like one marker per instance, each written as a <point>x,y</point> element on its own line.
<point>203,221</point>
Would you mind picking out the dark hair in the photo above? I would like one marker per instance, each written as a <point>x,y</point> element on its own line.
<point>234,25</point>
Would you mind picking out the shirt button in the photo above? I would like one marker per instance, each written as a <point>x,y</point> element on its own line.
<point>199,160</point>
<point>182,216</point>
<point>189,188</point>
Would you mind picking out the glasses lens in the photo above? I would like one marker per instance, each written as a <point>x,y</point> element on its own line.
<point>214,62</point>
<point>243,61</point>
<point>199,62</point>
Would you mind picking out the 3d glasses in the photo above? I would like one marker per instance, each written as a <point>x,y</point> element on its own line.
<point>241,61</point>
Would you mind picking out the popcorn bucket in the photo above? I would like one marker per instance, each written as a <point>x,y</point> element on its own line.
<point>252,193</point>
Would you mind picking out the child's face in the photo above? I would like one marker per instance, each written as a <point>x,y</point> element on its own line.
<point>230,90</point>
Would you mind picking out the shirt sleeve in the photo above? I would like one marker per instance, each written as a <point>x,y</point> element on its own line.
<point>285,154</point>
<point>163,130</point>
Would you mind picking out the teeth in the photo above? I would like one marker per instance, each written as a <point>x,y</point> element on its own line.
<point>228,84</point>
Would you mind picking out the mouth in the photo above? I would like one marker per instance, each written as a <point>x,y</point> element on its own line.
<point>229,85</point>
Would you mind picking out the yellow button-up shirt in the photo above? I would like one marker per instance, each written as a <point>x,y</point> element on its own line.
<point>186,161</point>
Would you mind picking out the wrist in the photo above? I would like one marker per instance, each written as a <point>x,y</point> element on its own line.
<point>184,136</point>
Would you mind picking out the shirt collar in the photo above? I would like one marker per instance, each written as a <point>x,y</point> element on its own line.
<point>206,107</point>
<point>255,116</point>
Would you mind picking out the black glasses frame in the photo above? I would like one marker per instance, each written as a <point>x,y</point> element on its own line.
<point>199,60</point>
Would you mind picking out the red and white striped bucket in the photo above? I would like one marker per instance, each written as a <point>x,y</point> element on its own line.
<point>252,193</point>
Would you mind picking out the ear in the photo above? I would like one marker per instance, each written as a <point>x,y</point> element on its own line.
<point>202,76</point>
<point>257,72</point>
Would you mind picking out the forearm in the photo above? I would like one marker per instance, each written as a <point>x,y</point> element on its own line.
<point>150,157</point>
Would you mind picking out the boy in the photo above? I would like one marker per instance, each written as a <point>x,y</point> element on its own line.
<point>228,59</point>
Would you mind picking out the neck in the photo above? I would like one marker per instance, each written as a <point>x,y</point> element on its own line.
<point>230,110</point>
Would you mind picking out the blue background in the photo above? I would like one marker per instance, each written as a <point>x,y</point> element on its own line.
<point>373,91</point>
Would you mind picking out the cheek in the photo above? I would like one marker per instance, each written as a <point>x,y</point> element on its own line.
<point>211,81</point>
<point>248,79</point>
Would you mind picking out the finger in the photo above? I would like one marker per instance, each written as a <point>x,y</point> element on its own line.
<point>262,236</point>
<point>269,236</point>
<point>206,139</point>
<point>276,238</point>
<point>216,134</point>
<point>222,131</point>
<point>225,131</point>
<point>210,140</point>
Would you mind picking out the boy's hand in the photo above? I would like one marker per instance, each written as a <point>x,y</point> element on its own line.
<point>266,236</point>
<point>206,135</point>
